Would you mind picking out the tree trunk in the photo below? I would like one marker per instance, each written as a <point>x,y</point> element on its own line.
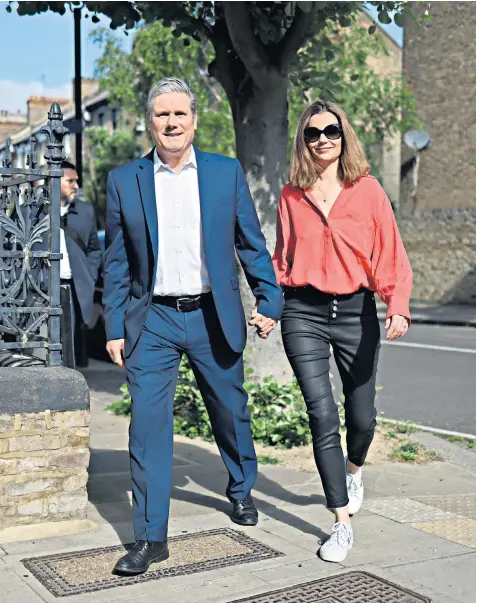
<point>261,129</point>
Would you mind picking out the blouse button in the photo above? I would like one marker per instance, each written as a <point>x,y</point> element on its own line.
<point>334,315</point>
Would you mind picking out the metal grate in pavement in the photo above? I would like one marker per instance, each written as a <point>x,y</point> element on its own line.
<point>353,587</point>
<point>83,572</point>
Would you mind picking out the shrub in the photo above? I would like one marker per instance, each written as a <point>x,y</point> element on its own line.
<point>278,412</point>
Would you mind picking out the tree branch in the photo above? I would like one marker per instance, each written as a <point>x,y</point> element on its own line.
<point>300,29</point>
<point>220,68</point>
<point>174,12</point>
<point>250,51</point>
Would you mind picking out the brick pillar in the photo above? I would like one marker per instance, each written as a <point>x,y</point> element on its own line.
<point>44,445</point>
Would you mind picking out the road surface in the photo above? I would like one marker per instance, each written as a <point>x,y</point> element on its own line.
<point>428,377</point>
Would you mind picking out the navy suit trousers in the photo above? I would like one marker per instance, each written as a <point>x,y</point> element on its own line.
<point>152,371</point>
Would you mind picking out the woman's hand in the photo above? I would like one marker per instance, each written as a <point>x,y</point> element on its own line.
<point>396,326</point>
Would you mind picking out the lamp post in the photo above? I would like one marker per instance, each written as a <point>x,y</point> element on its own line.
<point>77,96</point>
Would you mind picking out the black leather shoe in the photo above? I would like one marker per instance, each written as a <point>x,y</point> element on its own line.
<point>245,513</point>
<point>140,557</point>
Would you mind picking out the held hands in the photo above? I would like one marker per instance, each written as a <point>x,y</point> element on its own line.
<point>396,326</point>
<point>115,349</point>
<point>263,324</point>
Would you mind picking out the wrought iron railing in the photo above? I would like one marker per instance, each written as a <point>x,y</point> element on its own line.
<point>30,246</point>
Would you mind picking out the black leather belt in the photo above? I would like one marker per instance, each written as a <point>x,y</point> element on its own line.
<point>184,303</point>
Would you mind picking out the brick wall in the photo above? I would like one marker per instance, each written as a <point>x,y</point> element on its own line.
<point>44,458</point>
<point>441,249</point>
<point>439,63</point>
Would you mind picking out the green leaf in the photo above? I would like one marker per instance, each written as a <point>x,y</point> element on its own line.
<point>383,17</point>
<point>305,6</point>
<point>372,29</point>
<point>329,55</point>
<point>289,9</point>
<point>399,19</point>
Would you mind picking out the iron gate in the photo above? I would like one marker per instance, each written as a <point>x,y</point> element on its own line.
<point>30,246</point>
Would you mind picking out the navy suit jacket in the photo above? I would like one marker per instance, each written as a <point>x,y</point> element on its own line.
<point>229,224</point>
<point>84,266</point>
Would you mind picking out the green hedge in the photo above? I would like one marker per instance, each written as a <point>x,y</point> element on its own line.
<point>277,411</point>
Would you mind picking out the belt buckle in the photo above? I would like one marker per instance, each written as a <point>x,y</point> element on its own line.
<point>178,303</point>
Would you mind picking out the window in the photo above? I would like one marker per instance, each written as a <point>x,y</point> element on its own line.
<point>101,119</point>
<point>115,118</point>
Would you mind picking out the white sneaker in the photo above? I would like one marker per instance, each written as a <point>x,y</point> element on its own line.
<point>354,484</point>
<point>339,543</point>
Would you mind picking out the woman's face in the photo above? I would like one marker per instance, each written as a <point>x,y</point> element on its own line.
<point>324,151</point>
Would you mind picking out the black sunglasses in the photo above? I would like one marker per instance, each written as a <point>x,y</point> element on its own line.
<point>332,132</point>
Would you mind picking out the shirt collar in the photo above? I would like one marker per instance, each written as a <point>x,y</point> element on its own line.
<point>159,164</point>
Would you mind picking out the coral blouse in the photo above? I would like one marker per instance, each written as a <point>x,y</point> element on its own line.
<point>358,245</point>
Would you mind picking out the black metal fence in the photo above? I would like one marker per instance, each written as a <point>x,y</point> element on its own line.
<point>30,256</point>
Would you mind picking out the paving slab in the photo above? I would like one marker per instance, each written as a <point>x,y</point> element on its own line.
<point>458,504</point>
<point>296,572</point>
<point>412,480</point>
<point>458,529</point>
<point>451,575</point>
<point>15,590</point>
<point>405,510</point>
<point>109,513</point>
<point>104,535</point>
<point>384,542</point>
<point>207,590</point>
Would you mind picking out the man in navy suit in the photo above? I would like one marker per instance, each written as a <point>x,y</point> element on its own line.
<point>81,251</point>
<point>174,221</point>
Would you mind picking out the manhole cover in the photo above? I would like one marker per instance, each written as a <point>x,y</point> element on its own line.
<point>87,571</point>
<point>354,587</point>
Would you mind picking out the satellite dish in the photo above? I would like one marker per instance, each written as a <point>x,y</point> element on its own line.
<point>417,140</point>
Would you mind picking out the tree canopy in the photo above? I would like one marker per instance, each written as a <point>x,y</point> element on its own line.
<point>253,50</point>
<point>251,40</point>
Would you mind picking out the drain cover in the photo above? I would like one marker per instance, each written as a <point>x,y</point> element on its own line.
<point>87,571</point>
<point>354,587</point>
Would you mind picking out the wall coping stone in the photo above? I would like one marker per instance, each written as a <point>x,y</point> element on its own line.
<point>36,389</point>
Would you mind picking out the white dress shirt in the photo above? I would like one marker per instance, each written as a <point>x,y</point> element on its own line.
<point>181,266</point>
<point>65,268</point>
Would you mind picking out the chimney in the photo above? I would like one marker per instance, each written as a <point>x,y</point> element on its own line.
<point>38,107</point>
<point>89,87</point>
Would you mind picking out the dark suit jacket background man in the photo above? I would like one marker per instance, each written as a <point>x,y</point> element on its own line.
<point>174,221</point>
<point>81,251</point>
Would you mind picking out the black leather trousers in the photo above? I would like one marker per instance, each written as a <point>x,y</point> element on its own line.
<point>311,322</point>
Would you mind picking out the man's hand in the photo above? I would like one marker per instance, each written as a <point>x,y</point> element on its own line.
<point>396,326</point>
<point>115,349</point>
<point>263,324</point>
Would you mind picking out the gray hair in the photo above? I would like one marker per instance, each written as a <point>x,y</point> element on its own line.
<point>166,85</point>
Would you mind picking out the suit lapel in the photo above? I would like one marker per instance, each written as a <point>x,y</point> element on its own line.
<point>206,190</point>
<point>145,177</point>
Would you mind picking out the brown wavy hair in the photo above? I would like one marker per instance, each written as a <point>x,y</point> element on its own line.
<point>304,170</point>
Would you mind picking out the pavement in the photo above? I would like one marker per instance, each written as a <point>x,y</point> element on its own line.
<point>416,530</point>
<point>437,314</point>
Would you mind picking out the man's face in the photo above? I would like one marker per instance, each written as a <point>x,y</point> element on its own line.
<point>69,185</point>
<point>172,126</point>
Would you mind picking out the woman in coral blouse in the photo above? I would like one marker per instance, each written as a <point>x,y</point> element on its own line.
<point>337,244</point>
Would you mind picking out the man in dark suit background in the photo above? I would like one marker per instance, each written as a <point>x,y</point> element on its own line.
<point>174,221</point>
<point>81,260</point>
